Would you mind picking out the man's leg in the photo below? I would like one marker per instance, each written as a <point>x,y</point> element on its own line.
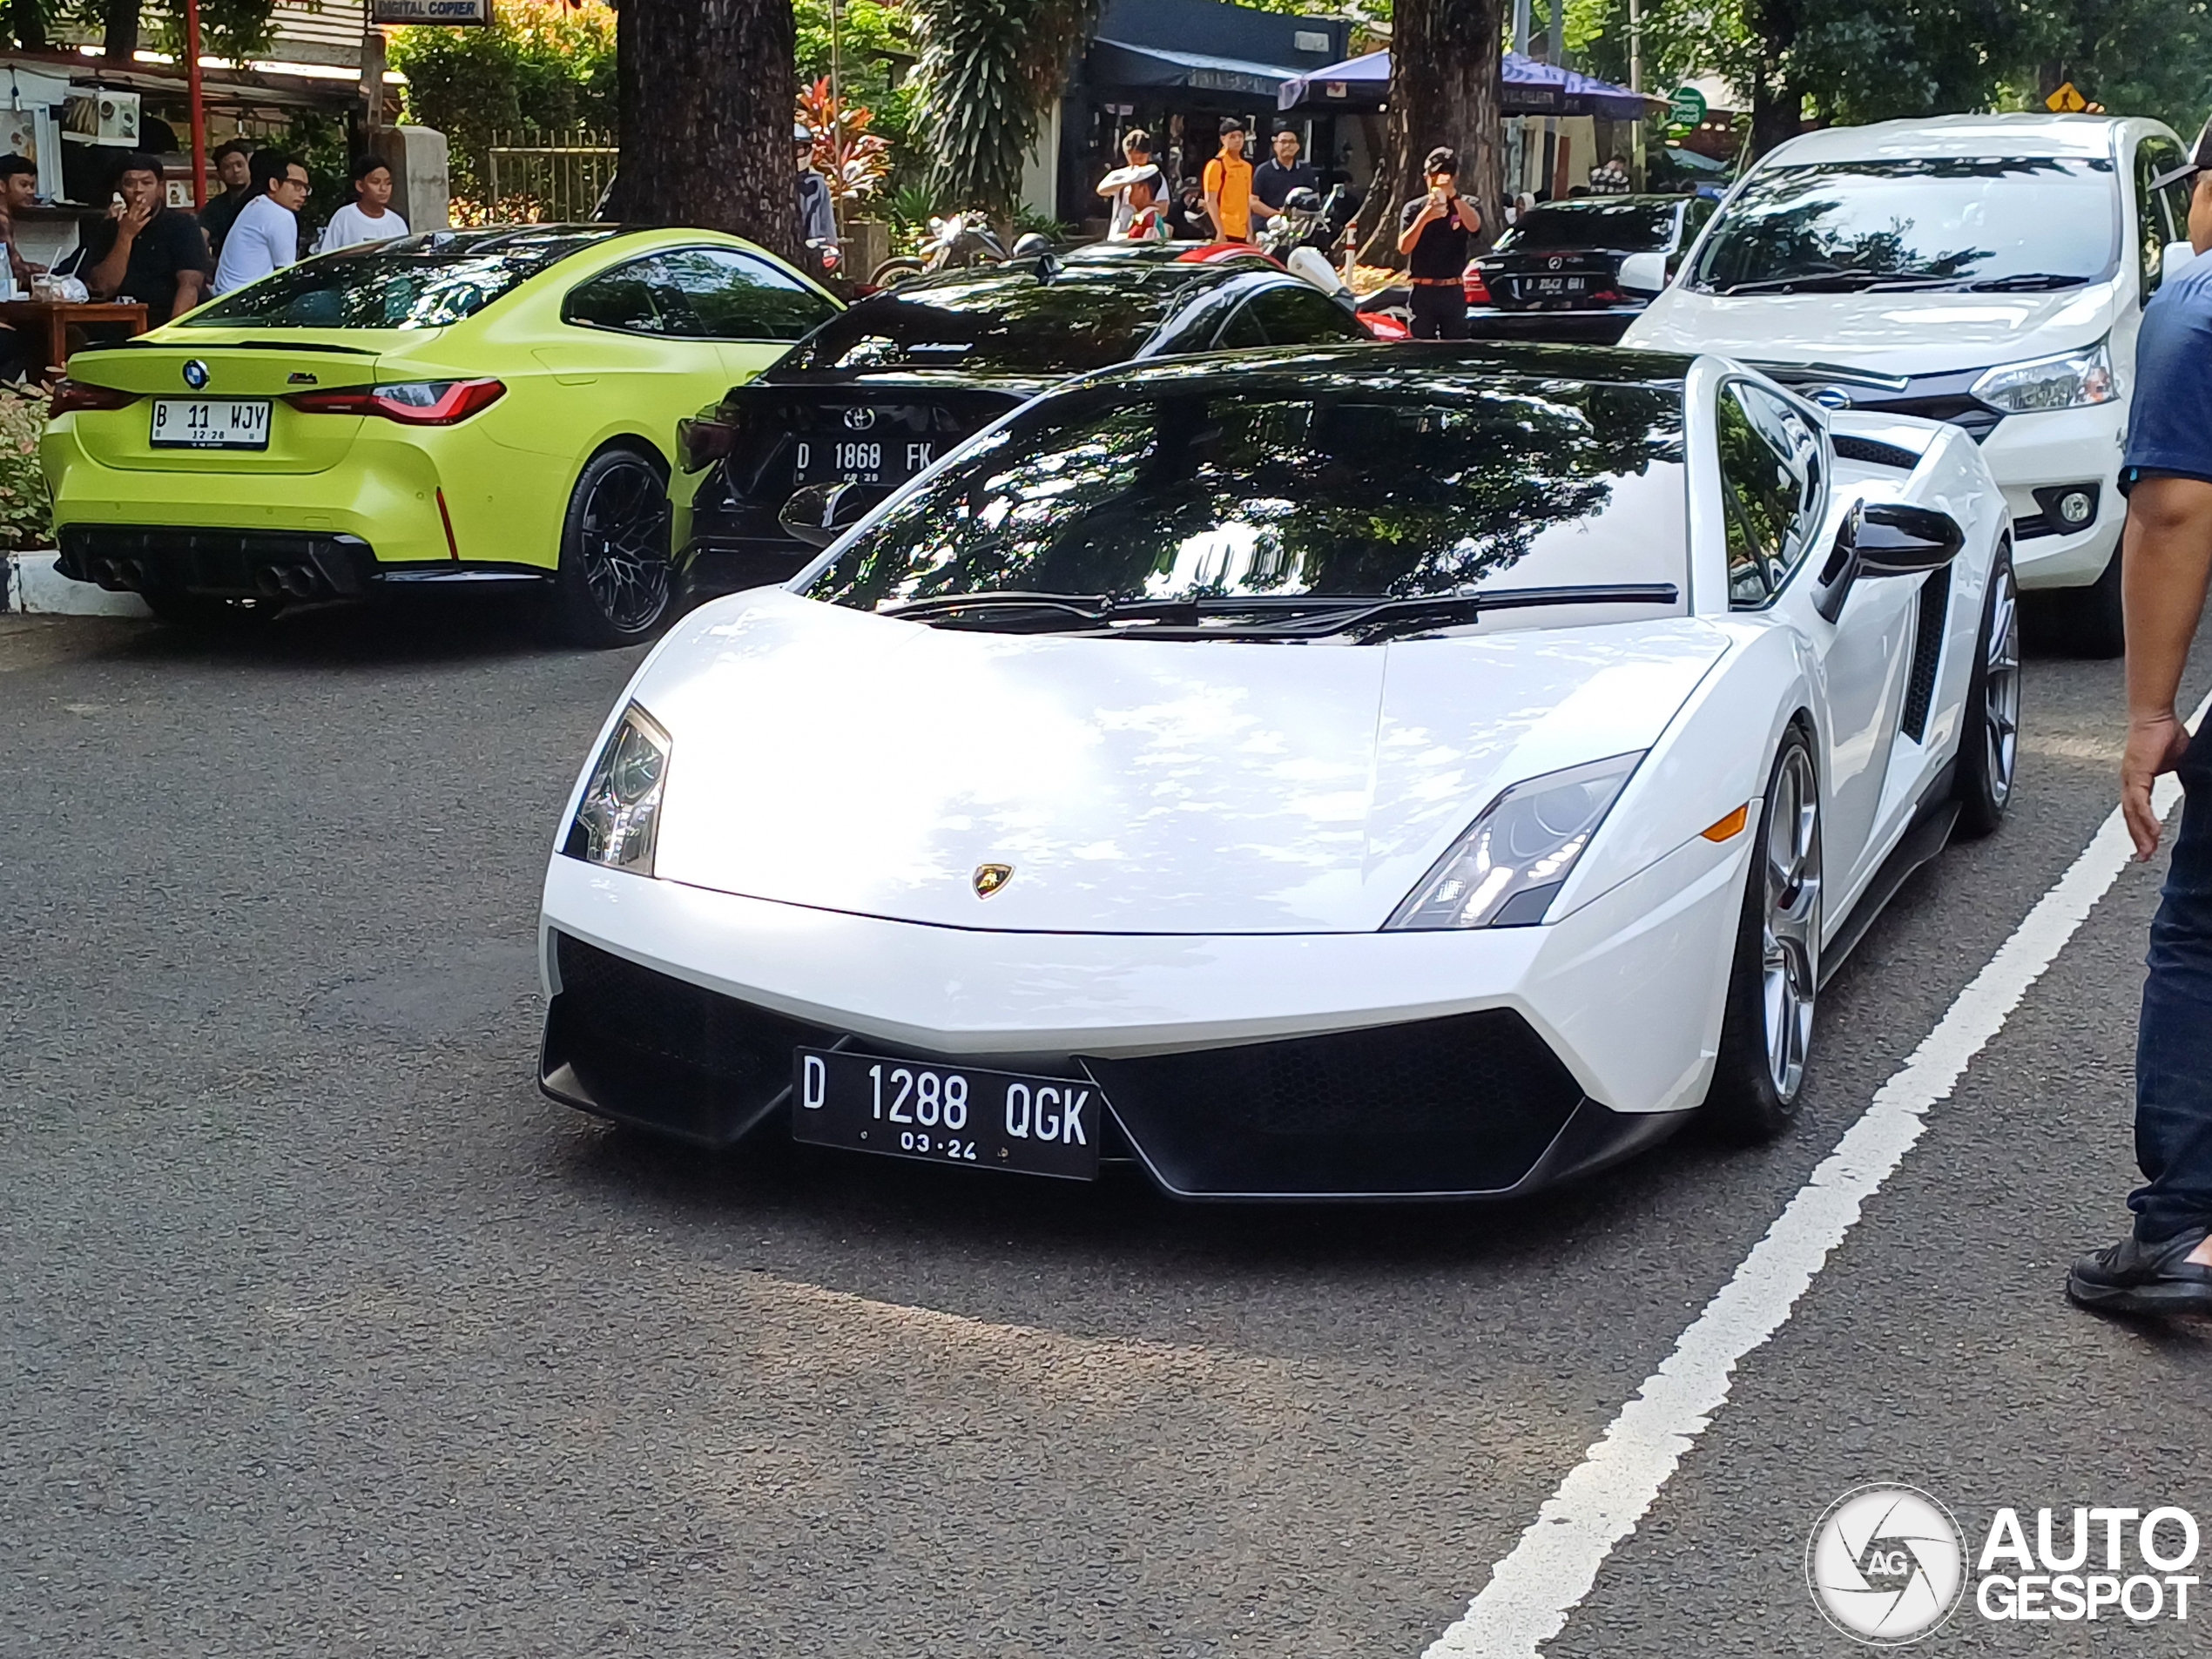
<point>1427,318</point>
<point>1452,312</point>
<point>2174,1043</point>
<point>2166,1266</point>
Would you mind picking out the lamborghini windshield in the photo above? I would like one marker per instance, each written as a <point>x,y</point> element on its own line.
<point>1195,494</point>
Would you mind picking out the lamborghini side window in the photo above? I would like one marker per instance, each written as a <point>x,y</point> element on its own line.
<point>1771,483</point>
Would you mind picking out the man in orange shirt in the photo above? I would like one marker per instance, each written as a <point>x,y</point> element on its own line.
<point>1229,185</point>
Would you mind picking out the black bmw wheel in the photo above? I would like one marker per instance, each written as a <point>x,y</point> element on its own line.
<point>1766,1029</point>
<point>612,587</point>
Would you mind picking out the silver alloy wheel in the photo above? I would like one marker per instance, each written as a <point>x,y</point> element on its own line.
<point>1790,941</point>
<point>2001,695</point>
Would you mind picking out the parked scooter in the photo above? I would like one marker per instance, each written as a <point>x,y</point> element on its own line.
<point>1308,220</point>
<point>954,242</point>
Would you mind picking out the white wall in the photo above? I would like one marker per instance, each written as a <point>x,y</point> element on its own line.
<point>1041,171</point>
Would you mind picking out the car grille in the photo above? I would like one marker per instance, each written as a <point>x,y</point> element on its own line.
<point>1464,1104</point>
<point>1928,397</point>
<point>1874,453</point>
<point>627,1043</point>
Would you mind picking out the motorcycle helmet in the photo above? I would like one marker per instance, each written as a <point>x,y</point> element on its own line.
<point>1302,200</point>
<point>1031,245</point>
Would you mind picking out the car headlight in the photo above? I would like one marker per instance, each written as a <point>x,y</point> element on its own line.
<point>2071,381</point>
<point>1506,870</point>
<point>619,819</point>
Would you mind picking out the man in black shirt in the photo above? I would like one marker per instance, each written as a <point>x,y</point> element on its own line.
<point>1274,179</point>
<point>234,168</point>
<point>1433,234</point>
<point>150,251</point>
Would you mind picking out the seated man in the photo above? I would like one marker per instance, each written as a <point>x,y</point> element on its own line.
<point>147,252</point>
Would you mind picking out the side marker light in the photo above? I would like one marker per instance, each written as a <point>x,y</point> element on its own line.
<point>1730,827</point>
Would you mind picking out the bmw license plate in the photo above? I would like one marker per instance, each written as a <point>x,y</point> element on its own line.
<point>975,1119</point>
<point>209,423</point>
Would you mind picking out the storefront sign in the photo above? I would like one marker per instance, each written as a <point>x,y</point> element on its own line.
<point>1224,80</point>
<point>385,13</point>
<point>1687,107</point>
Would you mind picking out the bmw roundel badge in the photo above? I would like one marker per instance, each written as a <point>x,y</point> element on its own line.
<point>195,374</point>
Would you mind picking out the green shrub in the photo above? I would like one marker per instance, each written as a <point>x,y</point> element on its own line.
<point>26,514</point>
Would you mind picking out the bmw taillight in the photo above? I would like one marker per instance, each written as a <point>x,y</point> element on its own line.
<point>1478,291</point>
<point>408,402</point>
<point>70,396</point>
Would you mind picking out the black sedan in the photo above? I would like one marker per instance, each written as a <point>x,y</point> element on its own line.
<point>884,388</point>
<point>1576,271</point>
<point>1580,270</point>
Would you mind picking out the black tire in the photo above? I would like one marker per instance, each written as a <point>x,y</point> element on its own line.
<point>1754,1095</point>
<point>1989,734</point>
<point>2094,625</point>
<point>613,585</point>
<point>207,614</point>
<point>892,272</point>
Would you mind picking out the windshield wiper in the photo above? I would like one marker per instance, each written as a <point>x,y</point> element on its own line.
<point>1836,282</point>
<point>2024,282</point>
<point>1290,616</point>
<point>1105,608</point>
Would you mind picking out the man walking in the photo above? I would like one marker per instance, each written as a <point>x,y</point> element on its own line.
<point>1228,183</point>
<point>2165,1266</point>
<point>817,214</point>
<point>1276,178</point>
<point>266,235</point>
<point>1432,235</point>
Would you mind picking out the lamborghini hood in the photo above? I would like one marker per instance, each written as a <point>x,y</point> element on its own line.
<point>829,758</point>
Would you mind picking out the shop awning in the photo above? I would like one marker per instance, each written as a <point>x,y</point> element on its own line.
<point>1529,88</point>
<point>1118,62</point>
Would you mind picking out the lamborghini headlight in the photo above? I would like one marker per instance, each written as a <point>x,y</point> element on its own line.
<point>1506,870</point>
<point>619,819</point>
<point>2071,381</point>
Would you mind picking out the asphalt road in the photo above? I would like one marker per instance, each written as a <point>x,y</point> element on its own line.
<point>326,1333</point>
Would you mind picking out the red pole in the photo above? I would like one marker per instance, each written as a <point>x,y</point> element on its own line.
<point>199,105</point>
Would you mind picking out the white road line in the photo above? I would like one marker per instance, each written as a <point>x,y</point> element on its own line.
<point>1532,1591</point>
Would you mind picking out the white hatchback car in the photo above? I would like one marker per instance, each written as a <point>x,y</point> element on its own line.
<point>1987,270</point>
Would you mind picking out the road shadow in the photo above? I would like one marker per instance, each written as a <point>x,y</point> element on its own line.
<point>409,631</point>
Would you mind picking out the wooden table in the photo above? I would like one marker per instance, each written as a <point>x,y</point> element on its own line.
<point>52,318</point>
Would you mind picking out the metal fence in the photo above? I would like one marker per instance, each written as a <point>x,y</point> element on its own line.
<point>547,177</point>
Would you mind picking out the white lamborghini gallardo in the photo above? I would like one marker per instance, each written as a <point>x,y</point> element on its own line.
<point>1345,773</point>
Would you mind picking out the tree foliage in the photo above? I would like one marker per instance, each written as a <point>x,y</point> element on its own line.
<point>989,70</point>
<point>1846,61</point>
<point>542,64</point>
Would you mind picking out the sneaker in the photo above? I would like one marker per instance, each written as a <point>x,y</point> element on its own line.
<point>2132,1277</point>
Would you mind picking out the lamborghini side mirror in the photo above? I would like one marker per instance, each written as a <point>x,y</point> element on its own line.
<point>1886,538</point>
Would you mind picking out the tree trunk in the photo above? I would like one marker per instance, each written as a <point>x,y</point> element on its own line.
<point>121,42</point>
<point>708,90</point>
<point>27,19</point>
<point>1444,89</point>
<point>1778,97</point>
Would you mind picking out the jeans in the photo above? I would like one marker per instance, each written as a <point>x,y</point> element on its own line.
<point>2174,1043</point>
<point>1439,310</point>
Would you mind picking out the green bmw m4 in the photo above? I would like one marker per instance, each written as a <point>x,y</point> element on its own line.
<point>463,406</point>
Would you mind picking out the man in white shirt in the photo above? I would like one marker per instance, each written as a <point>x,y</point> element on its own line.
<point>265,236</point>
<point>369,217</point>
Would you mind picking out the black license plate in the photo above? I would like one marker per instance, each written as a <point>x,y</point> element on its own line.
<point>889,457</point>
<point>972,1118</point>
<point>1550,287</point>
